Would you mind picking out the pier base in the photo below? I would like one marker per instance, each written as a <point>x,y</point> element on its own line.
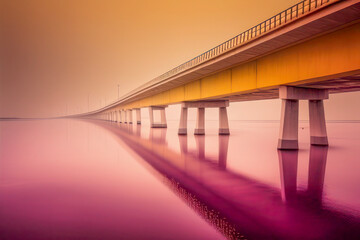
<point>290,96</point>
<point>200,120</point>
<point>162,123</point>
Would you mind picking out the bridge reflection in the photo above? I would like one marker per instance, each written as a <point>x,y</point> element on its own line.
<point>236,204</point>
<point>288,160</point>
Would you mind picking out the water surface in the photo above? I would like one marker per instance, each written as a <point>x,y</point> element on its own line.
<point>77,179</point>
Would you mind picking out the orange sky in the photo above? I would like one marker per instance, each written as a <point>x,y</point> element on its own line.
<point>55,55</point>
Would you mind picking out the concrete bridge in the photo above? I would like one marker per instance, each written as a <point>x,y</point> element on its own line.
<point>306,52</point>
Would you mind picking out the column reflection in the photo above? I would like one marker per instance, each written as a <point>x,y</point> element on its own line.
<point>200,146</point>
<point>317,165</point>
<point>223,150</point>
<point>288,162</point>
<point>138,130</point>
<point>158,135</point>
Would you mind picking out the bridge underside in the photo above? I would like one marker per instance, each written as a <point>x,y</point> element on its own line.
<point>349,83</point>
<point>329,61</point>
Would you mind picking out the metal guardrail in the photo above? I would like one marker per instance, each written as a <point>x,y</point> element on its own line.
<point>280,19</point>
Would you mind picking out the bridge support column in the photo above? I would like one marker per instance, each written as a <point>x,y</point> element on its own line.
<point>288,138</point>
<point>200,122</point>
<point>162,123</point>
<point>290,96</point>
<point>318,135</point>
<point>223,122</point>
<point>124,116</point>
<point>183,121</point>
<point>138,115</point>
<point>129,116</point>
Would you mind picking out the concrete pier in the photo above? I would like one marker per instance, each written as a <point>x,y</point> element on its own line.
<point>162,123</point>
<point>138,115</point>
<point>200,119</point>
<point>120,119</point>
<point>223,122</point>
<point>200,122</point>
<point>129,116</point>
<point>288,137</point>
<point>318,135</point>
<point>183,121</point>
<point>125,116</point>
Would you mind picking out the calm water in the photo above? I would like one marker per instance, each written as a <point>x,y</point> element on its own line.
<point>77,179</point>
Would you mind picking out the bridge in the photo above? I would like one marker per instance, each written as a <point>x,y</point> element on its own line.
<point>305,52</point>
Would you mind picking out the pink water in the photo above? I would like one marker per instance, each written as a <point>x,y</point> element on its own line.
<point>76,179</point>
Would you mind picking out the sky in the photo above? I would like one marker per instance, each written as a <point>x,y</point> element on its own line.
<point>70,56</point>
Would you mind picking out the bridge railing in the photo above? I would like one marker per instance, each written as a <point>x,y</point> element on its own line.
<point>280,19</point>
